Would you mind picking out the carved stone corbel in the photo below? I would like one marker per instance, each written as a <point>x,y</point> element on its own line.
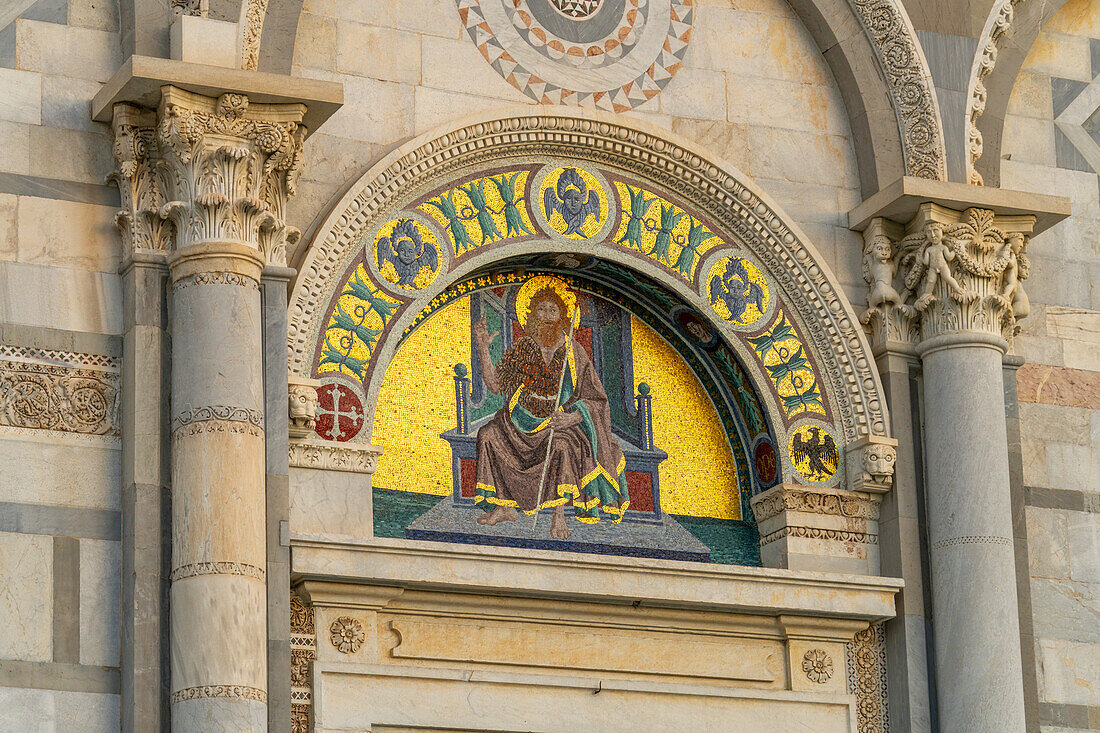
<point>302,405</point>
<point>815,528</point>
<point>870,462</point>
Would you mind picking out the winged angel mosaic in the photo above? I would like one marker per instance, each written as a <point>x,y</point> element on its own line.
<point>560,399</point>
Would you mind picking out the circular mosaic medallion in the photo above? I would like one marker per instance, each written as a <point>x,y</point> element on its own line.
<point>766,465</point>
<point>339,412</point>
<point>739,291</point>
<point>572,203</point>
<point>610,54</point>
<point>407,253</point>
<point>814,453</point>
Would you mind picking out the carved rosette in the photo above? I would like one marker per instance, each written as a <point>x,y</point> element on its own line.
<point>232,167</point>
<point>952,272</point>
<point>817,666</point>
<point>347,634</point>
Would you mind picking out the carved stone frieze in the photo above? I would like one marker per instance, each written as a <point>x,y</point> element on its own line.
<point>251,30</point>
<point>866,677</point>
<point>302,405</point>
<point>818,528</point>
<point>231,168</point>
<point>910,84</point>
<point>356,458</point>
<point>952,272</point>
<point>814,502</point>
<point>51,390</point>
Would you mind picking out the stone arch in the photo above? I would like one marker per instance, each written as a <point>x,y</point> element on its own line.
<point>870,46</point>
<point>745,222</point>
<point>1009,33</point>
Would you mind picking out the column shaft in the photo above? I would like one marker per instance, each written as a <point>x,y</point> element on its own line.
<point>977,632</point>
<point>218,597</point>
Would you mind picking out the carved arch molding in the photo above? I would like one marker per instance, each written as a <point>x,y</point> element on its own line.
<point>802,350</point>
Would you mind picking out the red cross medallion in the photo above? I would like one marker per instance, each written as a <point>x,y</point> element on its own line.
<point>339,412</point>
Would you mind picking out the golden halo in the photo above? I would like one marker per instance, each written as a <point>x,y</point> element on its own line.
<point>536,285</point>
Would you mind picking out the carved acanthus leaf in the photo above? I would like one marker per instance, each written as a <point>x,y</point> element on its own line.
<point>231,171</point>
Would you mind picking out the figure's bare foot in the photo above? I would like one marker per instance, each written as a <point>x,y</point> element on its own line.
<point>498,515</point>
<point>559,530</point>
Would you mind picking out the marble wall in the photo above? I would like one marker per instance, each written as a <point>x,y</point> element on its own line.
<point>60,303</point>
<point>410,67</point>
<point>1059,387</point>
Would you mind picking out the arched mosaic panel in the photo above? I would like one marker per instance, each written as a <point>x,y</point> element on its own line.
<point>733,297</point>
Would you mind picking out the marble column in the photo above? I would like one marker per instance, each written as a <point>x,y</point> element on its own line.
<point>230,166</point>
<point>952,282</point>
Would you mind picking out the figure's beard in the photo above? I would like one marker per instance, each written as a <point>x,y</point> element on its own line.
<point>547,334</point>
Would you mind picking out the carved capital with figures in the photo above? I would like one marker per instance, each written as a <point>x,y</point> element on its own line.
<point>946,272</point>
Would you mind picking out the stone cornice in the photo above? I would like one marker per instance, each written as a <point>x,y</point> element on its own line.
<point>899,202</point>
<point>351,457</point>
<point>544,574</point>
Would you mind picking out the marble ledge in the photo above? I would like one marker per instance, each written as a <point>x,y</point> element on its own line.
<point>528,680</point>
<point>409,564</point>
<point>900,200</point>
<point>140,79</point>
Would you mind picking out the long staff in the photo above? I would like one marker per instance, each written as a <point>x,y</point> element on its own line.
<point>557,404</point>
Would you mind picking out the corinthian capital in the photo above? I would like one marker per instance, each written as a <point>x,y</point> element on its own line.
<point>947,272</point>
<point>230,168</point>
<point>138,177</point>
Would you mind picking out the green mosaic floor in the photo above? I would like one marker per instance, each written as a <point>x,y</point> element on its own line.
<point>730,542</point>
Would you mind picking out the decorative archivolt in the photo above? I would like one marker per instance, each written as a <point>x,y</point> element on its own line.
<point>717,192</point>
<point>892,39</point>
<point>996,26</point>
<point>901,58</point>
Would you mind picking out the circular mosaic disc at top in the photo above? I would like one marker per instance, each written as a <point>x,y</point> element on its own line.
<point>610,54</point>
<point>576,9</point>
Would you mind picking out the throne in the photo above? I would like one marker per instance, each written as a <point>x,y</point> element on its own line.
<point>646,531</point>
<point>642,461</point>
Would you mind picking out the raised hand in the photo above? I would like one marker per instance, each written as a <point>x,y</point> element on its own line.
<point>482,335</point>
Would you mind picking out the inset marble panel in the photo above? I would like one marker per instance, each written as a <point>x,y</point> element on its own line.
<point>26,598</point>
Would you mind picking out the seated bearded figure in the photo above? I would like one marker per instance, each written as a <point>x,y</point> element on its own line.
<point>547,447</point>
